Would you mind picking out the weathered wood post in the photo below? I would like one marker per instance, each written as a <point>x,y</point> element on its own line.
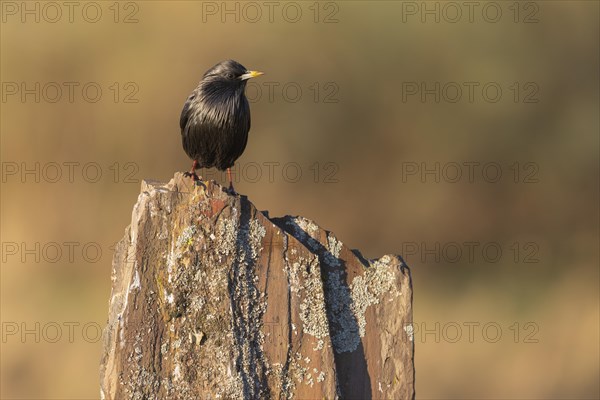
<point>213,299</point>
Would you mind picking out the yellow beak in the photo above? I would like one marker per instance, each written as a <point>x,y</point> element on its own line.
<point>251,74</point>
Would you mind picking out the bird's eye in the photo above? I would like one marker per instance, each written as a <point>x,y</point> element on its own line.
<point>229,75</point>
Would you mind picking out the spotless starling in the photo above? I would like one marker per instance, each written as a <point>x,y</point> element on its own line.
<point>215,119</point>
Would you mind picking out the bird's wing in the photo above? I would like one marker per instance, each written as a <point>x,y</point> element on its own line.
<point>185,113</point>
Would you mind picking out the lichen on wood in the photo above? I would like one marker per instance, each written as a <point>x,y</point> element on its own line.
<point>212,299</point>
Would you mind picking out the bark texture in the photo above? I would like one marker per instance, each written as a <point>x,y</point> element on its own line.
<point>212,299</point>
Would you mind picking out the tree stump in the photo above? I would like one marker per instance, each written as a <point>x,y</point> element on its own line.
<point>213,299</point>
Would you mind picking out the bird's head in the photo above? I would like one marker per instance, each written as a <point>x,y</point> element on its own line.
<point>230,73</point>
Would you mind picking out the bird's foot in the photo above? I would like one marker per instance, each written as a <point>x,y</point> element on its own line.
<point>192,172</point>
<point>193,175</point>
<point>230,191</point>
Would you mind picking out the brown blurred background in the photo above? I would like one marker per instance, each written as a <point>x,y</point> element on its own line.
<point>505,269</point>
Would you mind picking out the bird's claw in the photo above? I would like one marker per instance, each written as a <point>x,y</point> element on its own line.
<point>230,191</point>
<point>191,174</point>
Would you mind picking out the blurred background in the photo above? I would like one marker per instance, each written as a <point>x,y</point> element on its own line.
<point>462,136</point>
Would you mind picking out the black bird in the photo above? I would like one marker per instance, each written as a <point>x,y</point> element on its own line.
<point>215,119</point>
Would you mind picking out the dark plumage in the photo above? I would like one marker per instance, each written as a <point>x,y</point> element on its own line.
<point>215,119</point>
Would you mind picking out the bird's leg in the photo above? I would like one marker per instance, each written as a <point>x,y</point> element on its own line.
<point>192,172</point>
<point>231,189</point>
